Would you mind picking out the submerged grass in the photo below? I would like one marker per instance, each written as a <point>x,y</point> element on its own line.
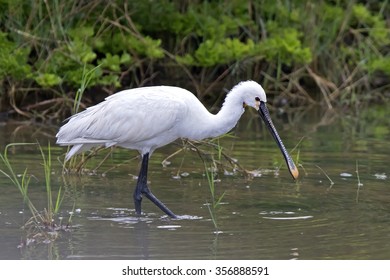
<point>53,207</point>
<point>41,225</point>
<point>359,184</point>
<point>215,200</point>
<point>327,176</point>
<point>207,150</point>
<point>22,181</point>
<point>210,172</point>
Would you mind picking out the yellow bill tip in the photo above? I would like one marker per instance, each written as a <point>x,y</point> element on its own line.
<point>294,172</point>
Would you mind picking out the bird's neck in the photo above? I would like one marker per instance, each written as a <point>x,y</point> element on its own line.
<point>226,118</point>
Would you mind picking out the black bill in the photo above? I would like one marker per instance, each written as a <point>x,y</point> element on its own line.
<point>264,113</point>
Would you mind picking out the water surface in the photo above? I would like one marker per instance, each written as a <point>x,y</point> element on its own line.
<point>331,212</point>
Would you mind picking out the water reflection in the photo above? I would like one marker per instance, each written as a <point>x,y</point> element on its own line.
<point>338,209</point>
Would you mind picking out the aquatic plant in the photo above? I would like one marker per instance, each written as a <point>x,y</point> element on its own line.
<point>21,182</point>
<point>53,207</point>
<point>41,224</point>
<point>215,200</point>
<point>359,184</point>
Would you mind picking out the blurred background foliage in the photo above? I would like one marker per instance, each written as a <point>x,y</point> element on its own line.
<point>329,52</point>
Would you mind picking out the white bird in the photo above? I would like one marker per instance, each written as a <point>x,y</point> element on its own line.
<point>147,118</point>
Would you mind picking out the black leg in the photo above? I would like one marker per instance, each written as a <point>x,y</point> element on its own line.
<point>142,189</point>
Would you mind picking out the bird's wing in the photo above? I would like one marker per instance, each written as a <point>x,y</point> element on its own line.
<point>126,117</point>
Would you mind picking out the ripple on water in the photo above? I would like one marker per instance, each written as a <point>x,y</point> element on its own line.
<point>127,216</point>
<point>283,215</point>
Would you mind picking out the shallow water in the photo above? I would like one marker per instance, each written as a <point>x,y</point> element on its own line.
<point>266,217</point>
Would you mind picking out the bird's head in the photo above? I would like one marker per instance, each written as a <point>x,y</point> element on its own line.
<point>253,95</point>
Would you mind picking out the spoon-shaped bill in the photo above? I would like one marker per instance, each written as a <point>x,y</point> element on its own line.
<point>264,113</point>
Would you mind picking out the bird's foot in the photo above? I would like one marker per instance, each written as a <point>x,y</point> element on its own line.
<point>159,204</point>
<point>144,190</point>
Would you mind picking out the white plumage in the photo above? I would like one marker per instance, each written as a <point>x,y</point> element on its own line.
<point>147,118</point>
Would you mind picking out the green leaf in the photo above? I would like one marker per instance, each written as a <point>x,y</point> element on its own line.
<point>81,33</point>
<point>111,62</point>
<point>379,64</point>
<point>125,58</point>
<point>146,46</point>
<point>212,52</point>
<point>13,59</point>
<point>285,44</point>
<point>47,80</point>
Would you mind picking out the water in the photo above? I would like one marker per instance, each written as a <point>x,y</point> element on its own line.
<point>331,212</point>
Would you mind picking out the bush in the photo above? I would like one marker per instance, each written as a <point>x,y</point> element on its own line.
<point>335,45</point>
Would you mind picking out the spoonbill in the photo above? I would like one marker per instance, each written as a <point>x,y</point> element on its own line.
<point>147,118</point>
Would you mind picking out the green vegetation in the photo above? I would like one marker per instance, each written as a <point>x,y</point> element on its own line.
<point>41,225</point>
<point>215,201</point>
<point>298,48</point>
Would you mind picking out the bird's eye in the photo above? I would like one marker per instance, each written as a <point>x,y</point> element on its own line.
<point>257,99</point>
